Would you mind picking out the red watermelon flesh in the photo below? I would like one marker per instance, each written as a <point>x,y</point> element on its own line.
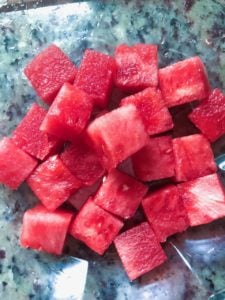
<point>82,195</point>
<point>31,139</point>
<point>156,160</point>
<point>139,250</point>
<point>95,76</point>
<point>120,194</point>
<point>52,183</point>
<point>165,212</point>
<point>48,71</point>
<point>209,116</point>
<point>193,157</point>
<point>95,227</point>
<point>83,162</point>
<point>103,138</point>
<point>117,135</point>
<point>15,164</point>
<point>204,199</point>
<point>137,67</point>
<point>68,114</point>
<point>45,231</point>
<point>184,81</point>
<point>154,113</point>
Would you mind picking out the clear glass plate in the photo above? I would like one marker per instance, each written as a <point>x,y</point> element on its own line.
<point>196,265</point>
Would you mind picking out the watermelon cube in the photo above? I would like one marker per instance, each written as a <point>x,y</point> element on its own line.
<point>204,199</point>
<point>209,116</point>
<point>83,162</point>
<point>139,250</point>
<point>193,157</point>
<point>165,212</point>
<point>156,160</point>
<point>154,113</point>
<point>15,164</point>
<point>68,114</point>
<point>52,183</point>
<point>44,230</point>
<point>31,139</point>
<point>120,194</point>
<point>48,71</point>
<point>81,196</point>
<point>137,67</point>
<point>95,76</point>
<point>95,227</point>
<point>184,81</point>
<point>117,135</point>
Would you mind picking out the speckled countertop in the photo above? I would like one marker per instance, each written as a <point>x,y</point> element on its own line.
<point>196,266</point>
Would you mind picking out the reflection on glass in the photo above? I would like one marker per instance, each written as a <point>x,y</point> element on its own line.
<point>70,278</point>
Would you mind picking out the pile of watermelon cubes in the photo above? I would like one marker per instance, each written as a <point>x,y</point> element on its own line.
<point>101,159</point>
